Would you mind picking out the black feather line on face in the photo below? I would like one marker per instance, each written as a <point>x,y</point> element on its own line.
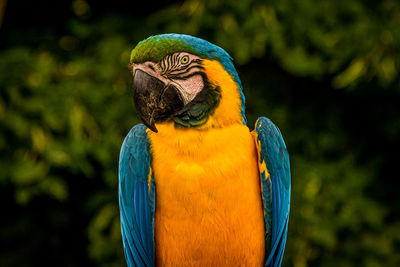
<point>184,70</point>
<point>176,77</point>
<point>162,65</point>
<point>169,63</point>
<point>177,62</point>
<point>173,61</point>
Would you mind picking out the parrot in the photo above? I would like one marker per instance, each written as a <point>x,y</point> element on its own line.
<point>196,186</point>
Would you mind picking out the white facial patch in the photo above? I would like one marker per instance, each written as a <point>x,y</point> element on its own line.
<point>190,87</point>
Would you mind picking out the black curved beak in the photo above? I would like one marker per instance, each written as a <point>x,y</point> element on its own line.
<point>154,101</point>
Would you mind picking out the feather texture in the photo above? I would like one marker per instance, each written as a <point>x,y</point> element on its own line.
<point>208,208</point>
<point>275,182</point>
<point>136,198</point>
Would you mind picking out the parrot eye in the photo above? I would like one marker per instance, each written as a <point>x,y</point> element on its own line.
<point>185,59</point>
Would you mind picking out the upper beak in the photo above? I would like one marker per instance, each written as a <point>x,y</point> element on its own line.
<point>153,99</point>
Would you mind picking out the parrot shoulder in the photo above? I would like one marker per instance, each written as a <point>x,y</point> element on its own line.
<point>274,168</point>
<point>136,198</point>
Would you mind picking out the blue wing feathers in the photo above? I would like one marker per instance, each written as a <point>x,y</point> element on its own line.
<point>266,186</point>
<point>273,152</point>
<point>135,199</point>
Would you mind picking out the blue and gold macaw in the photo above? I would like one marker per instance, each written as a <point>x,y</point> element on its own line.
<point>196,187</point>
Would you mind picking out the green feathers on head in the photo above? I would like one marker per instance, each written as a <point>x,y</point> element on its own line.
<point>155,48</point>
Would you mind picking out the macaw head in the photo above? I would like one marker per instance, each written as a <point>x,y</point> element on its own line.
<point>187,81</point>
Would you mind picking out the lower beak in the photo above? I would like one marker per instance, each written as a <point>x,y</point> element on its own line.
<point>154,100</point>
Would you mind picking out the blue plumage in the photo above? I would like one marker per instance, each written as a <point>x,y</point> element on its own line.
<point>135,199</point>
<point>276,188</point>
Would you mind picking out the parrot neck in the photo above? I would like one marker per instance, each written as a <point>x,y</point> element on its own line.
<point>194,142</point>
<point>228,111</point>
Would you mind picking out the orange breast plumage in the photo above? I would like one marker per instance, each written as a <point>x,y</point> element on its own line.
<point>208,200</point>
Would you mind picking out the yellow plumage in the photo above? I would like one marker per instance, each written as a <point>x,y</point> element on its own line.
<point>208,200</point>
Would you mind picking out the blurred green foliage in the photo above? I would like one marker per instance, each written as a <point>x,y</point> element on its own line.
<point>326,72</point>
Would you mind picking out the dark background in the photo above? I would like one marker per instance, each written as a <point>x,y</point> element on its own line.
<point>326,72</point>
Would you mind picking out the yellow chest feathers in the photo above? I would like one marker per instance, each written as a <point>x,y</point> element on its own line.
<point>208,200</point>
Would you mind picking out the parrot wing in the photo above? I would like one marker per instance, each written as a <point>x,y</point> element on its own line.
<point>136,198</point>
<point>275,183</point>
